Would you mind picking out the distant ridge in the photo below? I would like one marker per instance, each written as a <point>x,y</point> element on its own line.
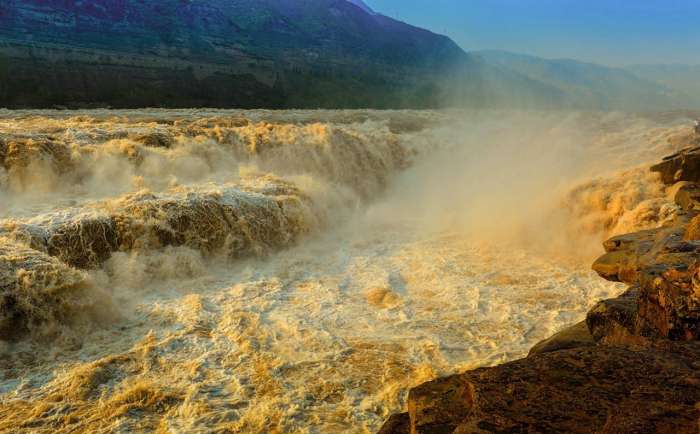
<point>681,78</point>
<point>591,85</point>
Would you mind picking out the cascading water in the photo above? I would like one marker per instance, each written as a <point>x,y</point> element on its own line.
<point>228,271</point>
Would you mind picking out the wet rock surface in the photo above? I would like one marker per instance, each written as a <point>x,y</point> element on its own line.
<point>683,166</point>
<point>631,367</point>
<point>575,336</point>
<point>615,320</point>
<point>662,263</point>
<point>593,389</point>
<point>688,196</point>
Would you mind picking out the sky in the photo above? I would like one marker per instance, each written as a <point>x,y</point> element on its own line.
<point>611,32</point>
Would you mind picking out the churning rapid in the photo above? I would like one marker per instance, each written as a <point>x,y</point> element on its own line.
<point>254,271</point>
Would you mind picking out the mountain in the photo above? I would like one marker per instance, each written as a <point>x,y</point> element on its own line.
<point>244,53</point>
<point>296,32</point>
<point>360,4</point>
<point>277,54</point>
<point>586,85</point>
<point>684,79</point>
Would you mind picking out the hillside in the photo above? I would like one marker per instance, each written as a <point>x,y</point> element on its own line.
<point>278,54</point>
<point>213,52</point>
<point>590,85</point>
<point>289,31</point>
<point>681,78</point>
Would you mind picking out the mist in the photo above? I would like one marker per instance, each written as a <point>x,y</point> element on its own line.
<point>284,251</point>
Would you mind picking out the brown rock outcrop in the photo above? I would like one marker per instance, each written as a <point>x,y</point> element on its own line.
<point>614,321</point>
<point>628,256</point>
<point>662,263</point>
<point>664,266</point>
<point>688,196</point>
<point>583,390</point>
<point>575,336</point>
<point>396,424</point>
<point>682,166</point>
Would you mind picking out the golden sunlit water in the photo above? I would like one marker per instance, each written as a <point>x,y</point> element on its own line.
<point>296,271</point>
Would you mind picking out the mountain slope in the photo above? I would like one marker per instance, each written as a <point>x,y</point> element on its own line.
<point>295,31</point>
<point>298,46</point>
<point>684,79</point>
<point>362,5</point>
<point>589,85</point>
<point>277,54</point>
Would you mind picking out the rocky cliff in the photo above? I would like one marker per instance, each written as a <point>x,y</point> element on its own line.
<point>631,367</point>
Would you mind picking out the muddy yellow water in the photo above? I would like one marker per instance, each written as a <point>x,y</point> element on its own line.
<point>252,271</point>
